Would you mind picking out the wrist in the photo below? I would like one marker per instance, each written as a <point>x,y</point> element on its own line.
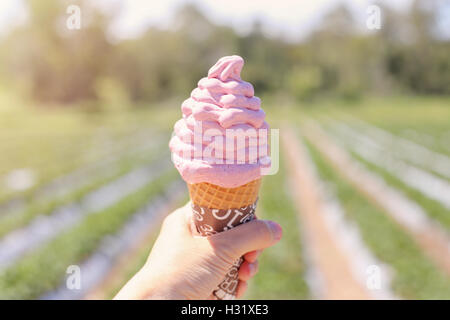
<point>142,287</point>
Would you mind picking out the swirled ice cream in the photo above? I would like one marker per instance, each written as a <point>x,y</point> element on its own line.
<point>222,138</point>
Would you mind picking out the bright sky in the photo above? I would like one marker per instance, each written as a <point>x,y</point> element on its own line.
<point>289,18</point>
<point>12,12</point>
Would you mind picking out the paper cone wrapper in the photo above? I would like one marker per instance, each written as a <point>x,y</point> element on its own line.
<point>218,209</point>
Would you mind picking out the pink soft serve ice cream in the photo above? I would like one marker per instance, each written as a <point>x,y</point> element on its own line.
<point>222,138</point>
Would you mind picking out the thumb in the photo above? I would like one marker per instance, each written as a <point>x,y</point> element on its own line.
<point>250,236</point>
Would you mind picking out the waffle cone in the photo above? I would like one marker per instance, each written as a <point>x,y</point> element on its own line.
<point>211,196</point>
<point>211,206</point>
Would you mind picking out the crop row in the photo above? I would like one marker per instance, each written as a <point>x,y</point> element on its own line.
<point>43,269</point>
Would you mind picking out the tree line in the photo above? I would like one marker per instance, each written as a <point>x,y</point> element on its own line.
<point>52,64</point>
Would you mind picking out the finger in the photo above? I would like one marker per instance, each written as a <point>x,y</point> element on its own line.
<point>189,220</point>
<point>252,255</point>
<point>179,221</point>
<point>241,288</point>
<point>250,236</point>
<point>247,270</point>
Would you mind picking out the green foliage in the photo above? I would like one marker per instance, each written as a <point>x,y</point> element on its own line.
<point>305,82</point>
<point>45,267</point>
<point>11,221</point>
<point>112,95</point>
<point>432,207</point>
<point>54,64</point>
<point>415,275</point>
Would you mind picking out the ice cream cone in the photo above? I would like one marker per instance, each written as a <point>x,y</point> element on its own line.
<point>218,209</point>
<point>208,195</point>
<point>219,147</point>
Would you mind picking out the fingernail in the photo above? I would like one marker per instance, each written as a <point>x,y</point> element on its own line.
<point>252,269</point>
<point>276,230</point>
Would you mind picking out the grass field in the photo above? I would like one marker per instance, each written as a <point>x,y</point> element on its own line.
<point>66,158</point>
<point>415,276</point>
<point>282,268</point>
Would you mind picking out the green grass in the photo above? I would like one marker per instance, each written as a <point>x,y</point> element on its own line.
<point>16,220</point>
<point>426,115</point>
<point>281,267</point>
<point>416,277</point>
<point>54,141</point>
<point>44,268</point>
<point>54,166</point>
<point>333,130</point>
<point>433,208</point>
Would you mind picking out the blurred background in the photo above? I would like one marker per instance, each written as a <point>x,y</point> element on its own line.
<point>89,93</point>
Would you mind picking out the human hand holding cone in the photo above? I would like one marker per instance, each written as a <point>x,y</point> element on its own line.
<point>218,209</point>
<point>223,178</point>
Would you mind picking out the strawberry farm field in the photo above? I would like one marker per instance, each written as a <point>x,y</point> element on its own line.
<point>362,194</point>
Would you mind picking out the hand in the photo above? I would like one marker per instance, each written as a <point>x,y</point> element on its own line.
<point>182,265</point>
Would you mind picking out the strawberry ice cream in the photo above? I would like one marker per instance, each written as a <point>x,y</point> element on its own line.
<point>222,138</point>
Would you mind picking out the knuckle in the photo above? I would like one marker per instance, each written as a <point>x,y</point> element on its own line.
<point>263,230</point>
<point>228,252</point>
<point>174,216</point>
<point>167,220</point>
<point>223,249</point>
